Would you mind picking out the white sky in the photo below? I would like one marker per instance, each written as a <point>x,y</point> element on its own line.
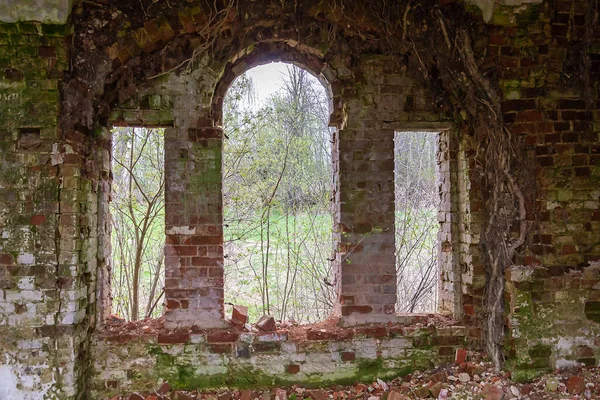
<point>268,79</point>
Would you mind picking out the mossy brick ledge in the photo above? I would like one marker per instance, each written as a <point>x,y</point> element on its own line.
<point>226,358</point>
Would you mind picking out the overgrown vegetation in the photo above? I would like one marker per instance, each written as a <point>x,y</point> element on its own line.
<point>417,203</point>
<point>138,224</point>
<point>276,191</point>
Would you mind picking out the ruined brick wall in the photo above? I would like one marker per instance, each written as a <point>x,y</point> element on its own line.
<point>47,221</point>
<point>127,361</point>
<point>385,100</point>
<point>364,160</point>
<point>60,94</point>
<point>554,320</point>
<point>548,69</point>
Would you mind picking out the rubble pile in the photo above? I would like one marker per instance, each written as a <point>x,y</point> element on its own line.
<point>462,380</point>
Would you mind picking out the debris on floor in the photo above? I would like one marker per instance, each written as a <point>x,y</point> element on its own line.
<point>465,381</point>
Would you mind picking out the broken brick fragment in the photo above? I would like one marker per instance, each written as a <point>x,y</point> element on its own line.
<point>436,388</point>
<point>266,323</point>
<point>492,392</point>
<point>164,388</point>
<point>460,356</point>
<point>280,394</point>
<point>393,395</point>
<point>318,395</point>
<point>239,315</point>
<point>421,392</point>
<point>116,319</point>
<point>575,385</point>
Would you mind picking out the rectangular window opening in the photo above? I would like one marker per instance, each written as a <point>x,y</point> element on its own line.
<point>137,220</point>
<point>417,203</point>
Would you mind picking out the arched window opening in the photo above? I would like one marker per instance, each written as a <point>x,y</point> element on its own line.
<point>417,196</point>
<point>277,178</point>
<point>137,218</point>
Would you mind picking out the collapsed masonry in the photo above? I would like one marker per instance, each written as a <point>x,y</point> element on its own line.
<point>516,97</point>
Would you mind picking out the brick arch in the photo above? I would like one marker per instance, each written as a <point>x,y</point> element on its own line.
<point>165,44</point>
<point>287,51</point>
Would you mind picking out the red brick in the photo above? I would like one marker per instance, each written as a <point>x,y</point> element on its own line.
<point>570,104</point>
<point>164,388</point>
<point>375,332</point>
<point>530,115</point>
<point>47,51</point>
<point>575,385</point>
<point>460,356</point>
<point>292,369</point>
<point>469,310</point>
<point>119,338</point>
<point>518,105</point>
<point>498,40</point>
<point>38,219</point>
<point>204,133</point>
<point>222,336</point>
<point>347,310</point>
<point>266,323</point>
<point>178,395</point>
<point>172,304</point>
<point>185,250</point>
<point>348,356</point>
<point>206,262</point>
<point>221,348</point>
<point>508,62</point>
<point>569,137</point>
<point>173,338</point>
<point>569,249</point>
<point>321,334</point>
<point>239,315</point>
<point>207,240</point>
<point>6,259</point>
